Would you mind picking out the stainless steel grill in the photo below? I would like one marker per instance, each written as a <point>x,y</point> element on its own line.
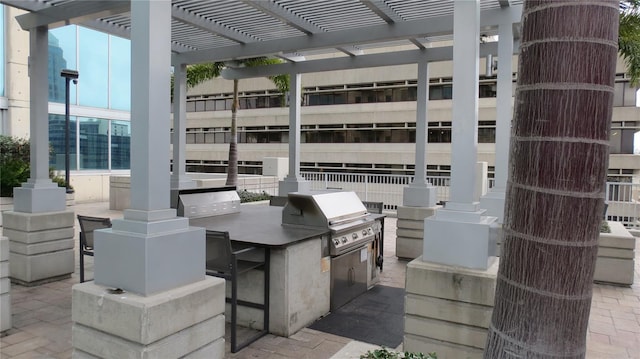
<point>343,213</point>
<point>354,242</point>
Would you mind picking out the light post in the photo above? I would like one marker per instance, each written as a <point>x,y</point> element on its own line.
<point>68,75</point>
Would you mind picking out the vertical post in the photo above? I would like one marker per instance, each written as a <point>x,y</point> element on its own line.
<point>295,94</point>
<point>422,102</point>
<point>149,233</point>
<point>503,104</point>
<point>464,136</point>
<point>420,193</point>
<point>39,194</point>
<point>179,178</point>
<point>294,182</point>
<point>39,94</point>
<point>66,135</point>
<point>150,65</point>
<point>459,234</point>
<point>493,201</point>
<point>69,75</point>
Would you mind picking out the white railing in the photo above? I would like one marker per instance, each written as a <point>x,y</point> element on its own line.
<point>623,203</point>
<point>373,188</point>
<point>623,199</point>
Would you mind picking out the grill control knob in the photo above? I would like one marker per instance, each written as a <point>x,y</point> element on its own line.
<point>369,230</point>
<point>354,235</point>
<point>336,241</point>
<point>364,232</point>
<point>344,239</point>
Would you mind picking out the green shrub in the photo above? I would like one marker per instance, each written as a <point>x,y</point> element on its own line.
<point>14,164</point>
<point>604,227</point>
<point>246,196</point>
<point>384,353</point>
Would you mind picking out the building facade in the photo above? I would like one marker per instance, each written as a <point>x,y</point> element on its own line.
<point>363,120</point>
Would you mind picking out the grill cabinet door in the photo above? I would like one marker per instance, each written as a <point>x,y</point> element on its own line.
<point>348,277</point>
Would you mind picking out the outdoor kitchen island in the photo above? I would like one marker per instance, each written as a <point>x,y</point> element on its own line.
<point>301,262</point>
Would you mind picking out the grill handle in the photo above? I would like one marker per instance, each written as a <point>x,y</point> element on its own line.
<point>345,220</point>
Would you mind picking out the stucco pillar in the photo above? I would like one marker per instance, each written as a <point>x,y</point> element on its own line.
<point>420,193</point>
<point>493,201</point>
<point>154,250</point>
<point>179,178</point>
<point>419,198</point>
<point>294,182</point>
<point>151,262</point>
<point>39,193</point>
<point>459,233</point>
<point>40,229</point>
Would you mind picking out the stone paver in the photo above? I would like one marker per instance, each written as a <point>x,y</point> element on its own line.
<point>42,317</point>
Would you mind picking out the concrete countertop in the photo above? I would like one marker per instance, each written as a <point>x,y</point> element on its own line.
<point>258,225</point>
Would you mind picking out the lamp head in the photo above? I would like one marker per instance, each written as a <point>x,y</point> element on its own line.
<point>70,74</point>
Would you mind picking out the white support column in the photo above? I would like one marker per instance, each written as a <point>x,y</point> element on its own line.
<point>493,202</point>
<point>459,234</point>
<point>179,178</point>
<point>464,137</point>
<point>421,193</point>
<point>150,250</point>
<point>294,182</point>
<point>39,193</point>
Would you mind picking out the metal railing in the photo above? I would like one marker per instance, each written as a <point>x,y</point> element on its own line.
<point>623,198</point>
<point>374,188</point>
<point>623,203</point>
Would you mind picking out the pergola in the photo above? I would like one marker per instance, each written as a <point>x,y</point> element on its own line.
<point>366,32</point>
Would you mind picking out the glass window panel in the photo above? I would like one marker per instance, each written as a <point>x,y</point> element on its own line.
<point>435,93</point>
<point>62,55</point>
<point>618,94</point>
<point>200,106</point>
<point>486,135</point>
<point>191,138</point>
<point>191,106</point>
<point>57,142</point>
<point>209,137</point>
<point>121,145</point>
<point>120,73</point>
<point>629,95</point>
<point>94,143</point>
<point>219,137</point>
<point>94,68</point>
<point>220,105</point>
<point>210,105</point>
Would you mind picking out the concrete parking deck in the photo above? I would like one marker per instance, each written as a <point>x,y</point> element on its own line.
<point>42,317</point>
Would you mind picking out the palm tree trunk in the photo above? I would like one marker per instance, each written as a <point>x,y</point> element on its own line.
<point>558,164</point>
<point>232,169</point>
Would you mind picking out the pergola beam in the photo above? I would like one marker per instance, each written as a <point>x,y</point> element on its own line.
<point>383,10</point>
<point>199,22</point>
<point>71,13</point>
<point>336,39</point>
<point>365,61</point>
<point>285,16</point>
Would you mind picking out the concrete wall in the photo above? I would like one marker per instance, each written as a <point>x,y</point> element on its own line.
<point>448,309</point>
<point>616,256</point>
<point>16,72</point>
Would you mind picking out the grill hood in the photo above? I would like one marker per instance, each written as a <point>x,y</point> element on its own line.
<point>323,209</point>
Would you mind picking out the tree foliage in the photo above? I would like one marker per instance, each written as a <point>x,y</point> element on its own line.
<point>629,38</point>
<point>14,164</point>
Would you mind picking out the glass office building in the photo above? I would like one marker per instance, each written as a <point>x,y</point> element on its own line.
<point>100,131</point>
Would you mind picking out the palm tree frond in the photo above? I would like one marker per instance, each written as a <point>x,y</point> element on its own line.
<point>199,73</point>
<point>629,43</point>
